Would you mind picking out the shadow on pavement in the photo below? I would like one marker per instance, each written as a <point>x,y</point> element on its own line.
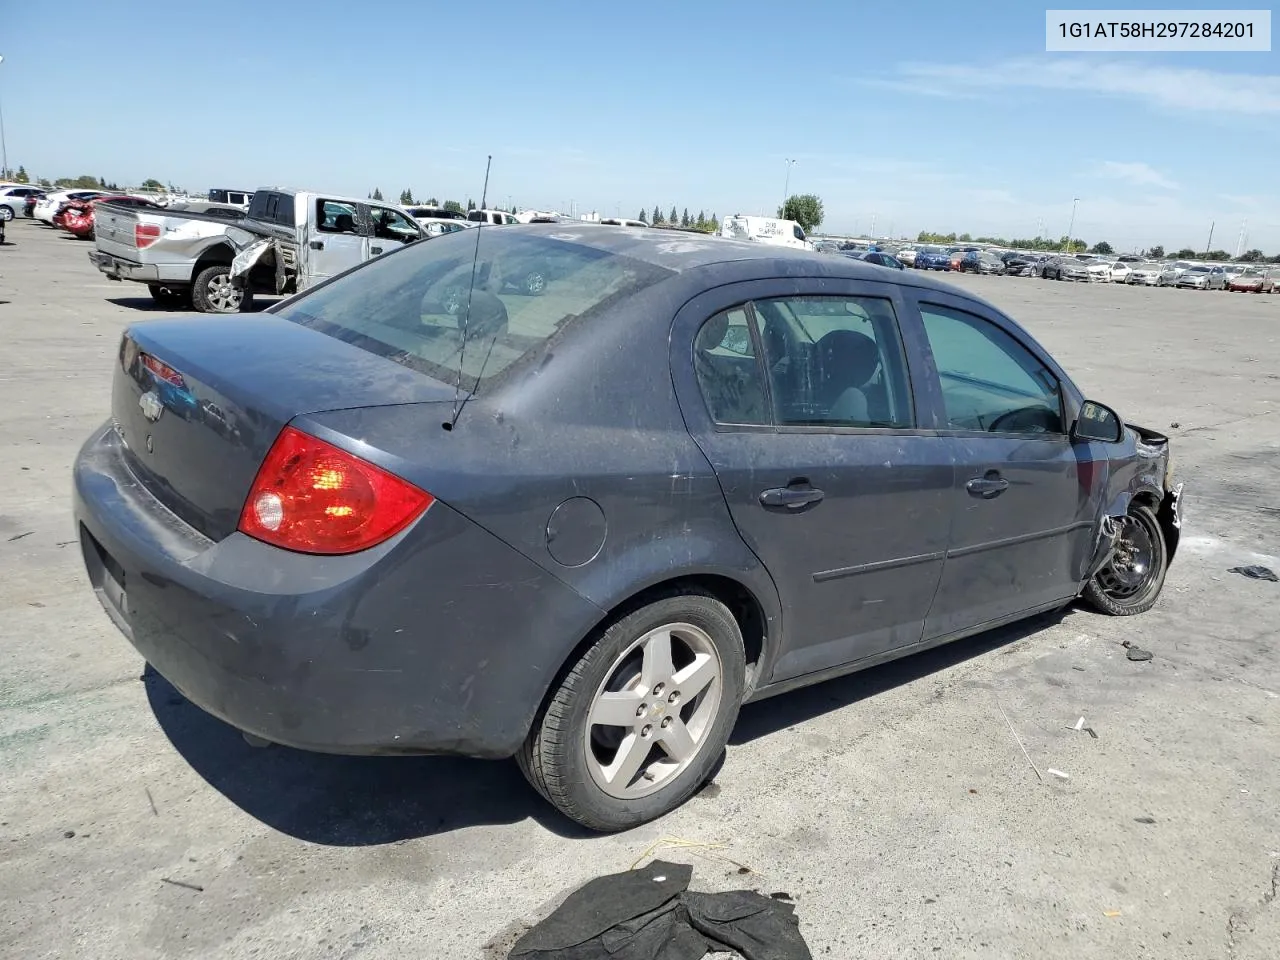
<point>365,801</point>
<point>149,305</point>
<point>800,706</point>
<point>348,801</point>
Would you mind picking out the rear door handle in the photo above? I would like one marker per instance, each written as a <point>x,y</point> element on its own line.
<point>375,250</point>
<point>988,487</point>
<point>793,496</point>
<point>317,244</point>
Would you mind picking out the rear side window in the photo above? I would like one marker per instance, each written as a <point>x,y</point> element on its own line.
<point>724,359</point>
<point>413,306</point>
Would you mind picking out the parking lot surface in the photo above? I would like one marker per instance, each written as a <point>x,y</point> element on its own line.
<point>895,806</point>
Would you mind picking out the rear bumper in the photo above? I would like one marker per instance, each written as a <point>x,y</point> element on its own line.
<point>117,268</point>
<point>442,640</point>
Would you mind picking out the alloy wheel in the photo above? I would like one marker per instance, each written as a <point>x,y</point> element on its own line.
<point>651,716</point>
<point>224,295</point>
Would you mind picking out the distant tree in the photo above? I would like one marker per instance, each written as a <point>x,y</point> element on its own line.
<point>805,209</point>
<point>674,217</point>
<point>701,222</point>
<point>151,183</point>
<point>714,224</point>
<point>21,175</point>
<point>377,194</point>
<point>44,182</point>
<point>644,215</point>
<point>432,202</point>
<point>684,218</point>
<point>1218,255</point>
<point>657,216</point>
<point>406,197</point>
<point>1250,256</point>
<point>453,206</point>
<point>964,238</point>
<point>1103,248</point>
<point>1156,252</point>
<point>1184,253</point>
<point>471,204</point>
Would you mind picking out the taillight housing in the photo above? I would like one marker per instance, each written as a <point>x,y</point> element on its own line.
<point>145,234</point>
<point>312,497</point>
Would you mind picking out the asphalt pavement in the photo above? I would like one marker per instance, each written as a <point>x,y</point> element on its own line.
<point>895,806</point>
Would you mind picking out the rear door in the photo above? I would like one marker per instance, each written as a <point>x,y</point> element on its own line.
<point>337,238</point>
<point>1022,515</point>
<point>799,395</point>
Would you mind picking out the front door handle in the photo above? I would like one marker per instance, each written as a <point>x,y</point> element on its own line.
<point>988,487</point>
<point>791,496</point>
<point>317,244</point>
<point>375,250</point>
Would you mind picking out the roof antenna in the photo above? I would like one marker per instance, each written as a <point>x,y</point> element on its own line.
<point>466,320</point>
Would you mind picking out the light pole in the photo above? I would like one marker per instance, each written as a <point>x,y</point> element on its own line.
<point>1075,201</point>
<point>4,148</point>
<point>786,186</point>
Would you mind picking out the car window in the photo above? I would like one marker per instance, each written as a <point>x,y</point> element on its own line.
<point>335,216</point>
<point>990,382</point>
<point>392,225</point>
<point>834,361</point>
<point>519,292</point>
<point>729,376</point>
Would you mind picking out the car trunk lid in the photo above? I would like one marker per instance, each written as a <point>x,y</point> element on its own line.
<point>198,411</point>
<point>114,230</point>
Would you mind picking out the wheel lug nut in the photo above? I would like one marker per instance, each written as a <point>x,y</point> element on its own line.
<point>646,731</point>
<point>666,722</point>
<point>642,710</point>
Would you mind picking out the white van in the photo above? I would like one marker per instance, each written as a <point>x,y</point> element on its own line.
<point>780,233</point>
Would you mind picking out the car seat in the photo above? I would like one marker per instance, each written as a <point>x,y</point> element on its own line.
<point>847,361</point>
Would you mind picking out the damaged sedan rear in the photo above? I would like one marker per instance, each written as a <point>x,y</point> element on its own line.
<point>422,508</point>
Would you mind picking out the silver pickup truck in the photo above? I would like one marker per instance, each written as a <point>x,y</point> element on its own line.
<point>288,241</point>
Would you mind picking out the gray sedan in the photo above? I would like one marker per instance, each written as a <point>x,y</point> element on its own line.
<point>583,528</point>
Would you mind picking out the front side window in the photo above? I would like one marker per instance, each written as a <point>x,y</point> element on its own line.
<point>834,362</point>
<point>390,224</point>
<point>990,382</point>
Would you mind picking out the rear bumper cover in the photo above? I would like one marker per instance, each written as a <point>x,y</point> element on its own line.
<point>442,640</point>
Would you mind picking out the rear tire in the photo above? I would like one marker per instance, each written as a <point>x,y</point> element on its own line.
<point>673,720</point>
<point>213,291</point>
<point>1131,581</point>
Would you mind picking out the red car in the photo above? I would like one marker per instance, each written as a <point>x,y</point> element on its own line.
<point>76,216</point>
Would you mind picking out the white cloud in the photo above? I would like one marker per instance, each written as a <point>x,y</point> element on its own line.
<point>1140,174</point>
<point>1172,88</point>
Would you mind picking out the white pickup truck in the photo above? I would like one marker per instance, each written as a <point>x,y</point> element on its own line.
<point>288,241</point>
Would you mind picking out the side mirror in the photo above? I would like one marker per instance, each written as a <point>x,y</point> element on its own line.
<point>1097,422</point>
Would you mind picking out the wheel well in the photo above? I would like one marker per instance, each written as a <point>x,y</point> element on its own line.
<point>219,255</point>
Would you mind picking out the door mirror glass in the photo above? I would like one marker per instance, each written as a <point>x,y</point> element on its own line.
<point>1097,422</point>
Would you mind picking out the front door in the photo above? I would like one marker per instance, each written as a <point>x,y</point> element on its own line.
<point>391,230</point>
<point>803,406</point>
<point>336,240</point>
<point>1022,521</point>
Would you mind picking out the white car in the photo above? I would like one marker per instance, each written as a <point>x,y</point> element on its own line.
<point>1172,271</point>
<point>1099,271</point>
<point>908,256</point>
<point>13,197</point>
<point>496,218</point>
<point>1120,272</point>
<point>49,204</point>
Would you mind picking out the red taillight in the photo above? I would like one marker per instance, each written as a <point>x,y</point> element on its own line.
<point>312,497</point>
<point>145,234</point>
<point>163,371</point>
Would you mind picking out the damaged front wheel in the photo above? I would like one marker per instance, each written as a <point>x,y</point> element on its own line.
<point>1131,580</point>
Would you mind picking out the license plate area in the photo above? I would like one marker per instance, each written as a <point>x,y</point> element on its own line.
<point>107,577</point>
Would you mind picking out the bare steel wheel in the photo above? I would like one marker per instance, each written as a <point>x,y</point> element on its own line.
<point>1131,581</point>
<point>639,721</point>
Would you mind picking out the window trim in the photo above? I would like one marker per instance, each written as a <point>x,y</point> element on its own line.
<point>921,303</point>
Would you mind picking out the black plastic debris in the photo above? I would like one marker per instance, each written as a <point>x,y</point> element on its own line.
<point>1137,653</point>
<point>649,914</point>
<point>1256,572</point>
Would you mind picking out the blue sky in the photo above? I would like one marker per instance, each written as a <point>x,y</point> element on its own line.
<point>927,115</point>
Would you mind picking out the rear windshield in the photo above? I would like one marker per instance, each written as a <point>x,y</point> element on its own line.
<point>412,306</point>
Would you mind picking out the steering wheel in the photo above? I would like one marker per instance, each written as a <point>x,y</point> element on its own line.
<point>1033,419</point>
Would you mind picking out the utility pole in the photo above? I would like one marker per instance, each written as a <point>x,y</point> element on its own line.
<point>1208,244</point>
<point>786,186</point>
<point>1243,235</point>
<point>1075,202</point>
<point>4,147</point>
<point>873,226</point>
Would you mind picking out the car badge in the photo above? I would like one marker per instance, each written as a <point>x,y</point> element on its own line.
<point>151,406</point>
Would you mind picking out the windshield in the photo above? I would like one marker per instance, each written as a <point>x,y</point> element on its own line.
<point>412,306</point>
<point>1198,270</point>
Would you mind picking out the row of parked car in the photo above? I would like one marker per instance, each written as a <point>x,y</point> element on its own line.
<point>1092,268</point>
